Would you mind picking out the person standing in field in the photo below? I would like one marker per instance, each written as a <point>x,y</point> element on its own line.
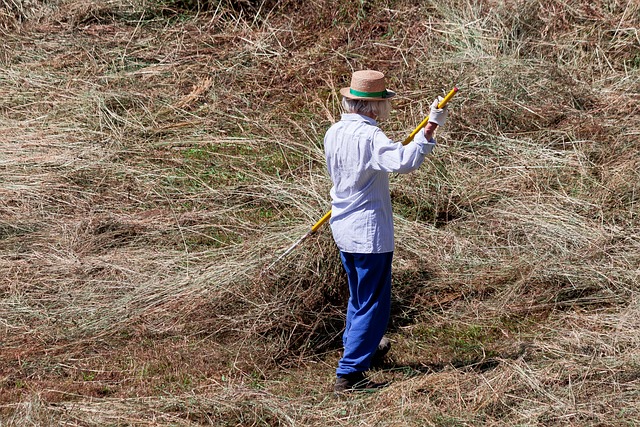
<point>359,160</point>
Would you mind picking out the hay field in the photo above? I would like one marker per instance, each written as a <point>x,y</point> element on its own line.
<point>156,155</point>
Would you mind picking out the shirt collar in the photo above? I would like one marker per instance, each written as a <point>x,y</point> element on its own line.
<point>352,117</point>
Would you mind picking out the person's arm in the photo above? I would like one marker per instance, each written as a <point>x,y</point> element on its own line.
<point>390,156</point>
<point>429,130</point>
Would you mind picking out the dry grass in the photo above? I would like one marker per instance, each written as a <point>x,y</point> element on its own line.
<point>156,156</point>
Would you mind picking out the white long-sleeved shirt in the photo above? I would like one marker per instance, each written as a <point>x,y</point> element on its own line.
<point>359,159</point>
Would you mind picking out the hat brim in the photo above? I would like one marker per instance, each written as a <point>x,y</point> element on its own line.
<point>345,91</point>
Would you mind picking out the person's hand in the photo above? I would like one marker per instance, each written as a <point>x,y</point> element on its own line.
<point>438,115</point>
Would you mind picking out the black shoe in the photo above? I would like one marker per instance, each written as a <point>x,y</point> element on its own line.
<point>356,381</point>
<point>383,348</point>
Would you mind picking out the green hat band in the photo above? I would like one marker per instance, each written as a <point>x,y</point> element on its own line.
<point>368,94</point>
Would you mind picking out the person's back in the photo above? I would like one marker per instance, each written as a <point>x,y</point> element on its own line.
<point>361,207</point>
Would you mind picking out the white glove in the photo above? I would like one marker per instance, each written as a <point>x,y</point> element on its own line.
<point>438,115</point>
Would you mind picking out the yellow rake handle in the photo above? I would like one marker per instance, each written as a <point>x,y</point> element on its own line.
<point>442,103</point>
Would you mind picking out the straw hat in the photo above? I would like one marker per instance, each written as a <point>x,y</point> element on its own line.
<point>368,85</point>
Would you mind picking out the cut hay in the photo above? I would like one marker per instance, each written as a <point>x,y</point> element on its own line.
<point>155,157</point>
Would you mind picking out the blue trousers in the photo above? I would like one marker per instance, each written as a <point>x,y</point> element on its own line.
<point>368,309</point>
